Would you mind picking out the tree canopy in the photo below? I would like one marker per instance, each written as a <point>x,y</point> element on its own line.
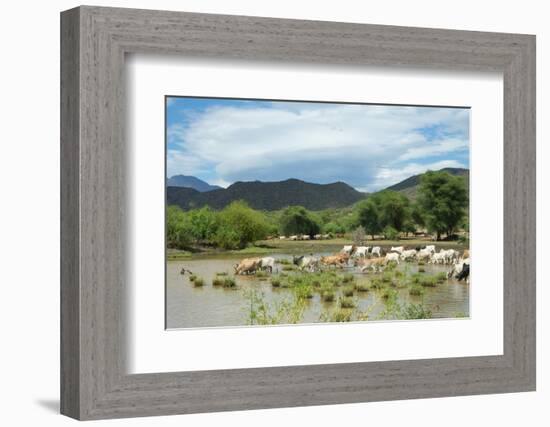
<point>443,200</point>
<point>298,220</point>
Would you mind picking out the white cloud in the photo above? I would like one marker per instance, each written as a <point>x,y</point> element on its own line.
<point>365,146</point>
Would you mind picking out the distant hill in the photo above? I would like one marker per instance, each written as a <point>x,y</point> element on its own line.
<point>190,182</point>
<point>269,195</point>
<point>409,186</point>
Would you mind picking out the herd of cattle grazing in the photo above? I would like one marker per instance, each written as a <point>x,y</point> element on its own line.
<point>368,259</point>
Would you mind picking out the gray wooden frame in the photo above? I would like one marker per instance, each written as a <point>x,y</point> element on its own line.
<point>94,41</point>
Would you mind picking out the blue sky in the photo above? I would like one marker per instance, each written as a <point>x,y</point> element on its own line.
<point>367,146</point>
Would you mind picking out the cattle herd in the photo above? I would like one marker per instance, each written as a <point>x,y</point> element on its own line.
<point>368,259</point>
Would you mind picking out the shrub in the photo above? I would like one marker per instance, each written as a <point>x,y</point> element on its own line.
<point>377,284</point>
<point>275,282</point>
<point>193,277</point>
<point>198,282</point>
<point>389,294</point>
<point>348,291</point>
<point>390,233</point>
<point>362,287</point>
<point>218,281</point>
<point>415,311</point>
<point>261,274</point>
<point>284,261</point>
<point>229,282</point>
<point>421,270</point>
<point>429,281</point>
<point>341,316</point>
<point>347,302</point>
<point>221,273</point>
<point>441,277</point>
<point>327,296</point>
<point>289,267</point>
<point>416,290</point>
<point>348,278</point>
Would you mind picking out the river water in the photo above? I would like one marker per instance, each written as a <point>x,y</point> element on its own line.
<point>208,306</point>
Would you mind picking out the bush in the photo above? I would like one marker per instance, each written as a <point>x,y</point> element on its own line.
<point>275,282</point>
<point>229,282</point>
<point>193,277</point>
<point>362,287</point>
<point>198,282</point>
<point>428,281</point>
<point>390,233</point>
<point>416,290</point>
<point>341,316</point>
<point>261,274</point>
<point>348,278</point>
<point>218,281</point>
<point>327,296</point>
<point>441,277</point>
<point>348,291</point>
<point>415,311</point>
<point>347,302</point>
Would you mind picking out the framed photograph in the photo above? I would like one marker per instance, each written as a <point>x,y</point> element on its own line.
<point>262,213</point>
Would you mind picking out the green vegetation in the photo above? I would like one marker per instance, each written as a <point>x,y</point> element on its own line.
<point>347,302</point>
<point>298,220</point>
<point>229,283</point>
<point>443,200</point>
<point>218,281</point>
<point>198,282</point>
<point>416,290</point>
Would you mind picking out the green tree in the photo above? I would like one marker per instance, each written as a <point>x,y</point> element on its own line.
<point>417,215</point>
<point>444,200</point>
<point>298,220</point>
<point>179,233</point>
<point>204,223</point>
<point>394,209</point>
<point>368,217</point>
<point>239,225</point>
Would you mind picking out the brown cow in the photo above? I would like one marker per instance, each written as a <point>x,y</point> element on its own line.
<point>338,260</point>
<point>376,264</point>
<point>248,265</point>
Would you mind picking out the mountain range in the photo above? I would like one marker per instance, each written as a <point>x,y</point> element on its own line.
<point>278,195</point>
<point>190,182</point>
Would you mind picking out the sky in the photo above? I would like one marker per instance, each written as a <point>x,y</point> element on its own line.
<point>369,147</point>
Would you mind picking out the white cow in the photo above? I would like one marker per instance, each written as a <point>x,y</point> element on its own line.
<point>438,258</point>
<point>267,263</point>
<point>361,251</point>
<point>307,262</point>
<point>408,255</point>
<point>398,249</point>
<point>376,250</point>
<point>423,254</point>
<point>430,248</point>
<point>392,256</point>
<point>282,237</point>
<point>347,249</point>
<point>305,237</point>
<point>293,238</point>
<point>451,256</point>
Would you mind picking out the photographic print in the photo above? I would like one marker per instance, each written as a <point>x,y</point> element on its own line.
<point>301,212</point>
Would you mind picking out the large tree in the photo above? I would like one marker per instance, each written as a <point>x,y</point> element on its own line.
<point>368,218</point>
<point>298,220</point>
<point>443,199</point>
<point>394,209</point>
<point>239,225</point>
